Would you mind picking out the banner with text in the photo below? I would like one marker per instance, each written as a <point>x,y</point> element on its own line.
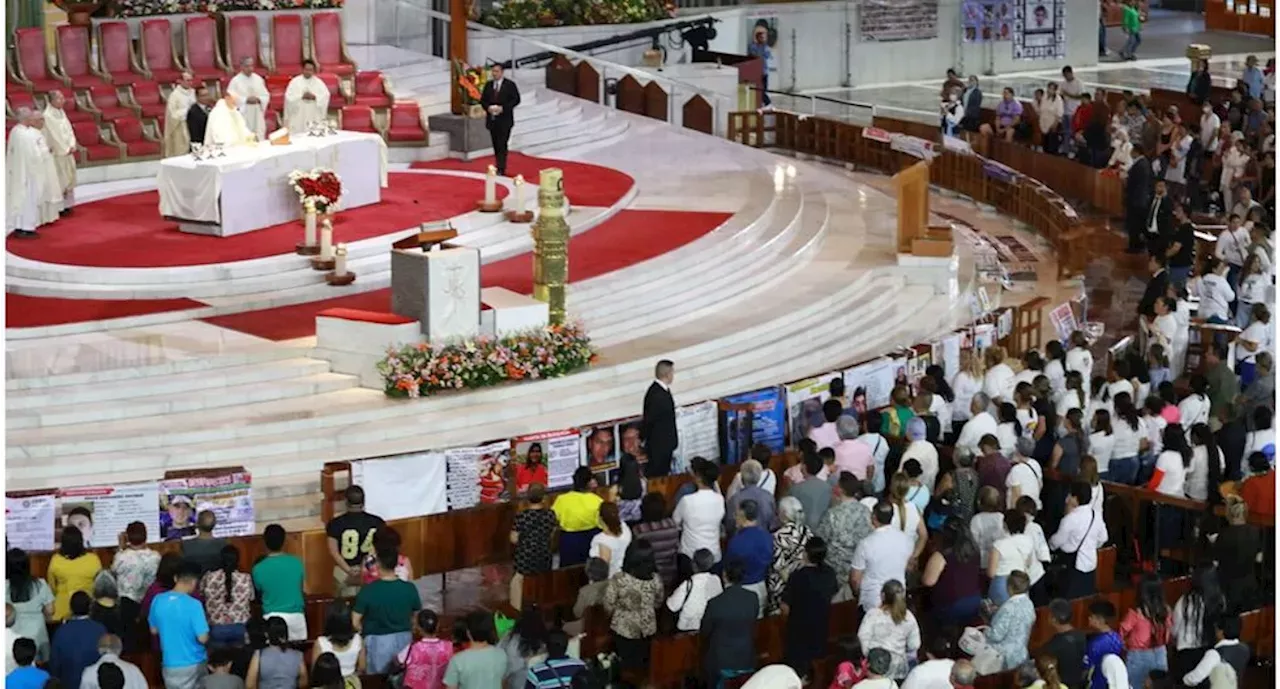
<point>477,475</point>
<point>102,512</point>
<point>229,496</point>
<point>768,423</point>
<point>29,521</point>
<point>697,426</point>
<point>549,458</point>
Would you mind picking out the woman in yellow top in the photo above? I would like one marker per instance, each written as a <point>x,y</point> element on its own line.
<point>72,569</point>
<point>578,514</point>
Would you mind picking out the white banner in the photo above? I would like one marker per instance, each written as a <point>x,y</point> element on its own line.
<point>102,512</point>
<point>28,522</point>
<point>912,146</point>
<point>408,485</point>
<point>698,428</point>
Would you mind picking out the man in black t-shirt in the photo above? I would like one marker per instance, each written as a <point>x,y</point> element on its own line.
<point>350,539</point>
<point>1067,645</point>
<point>1181,250</point>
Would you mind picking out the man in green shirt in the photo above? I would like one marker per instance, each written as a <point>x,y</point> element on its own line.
<point>384,613</point>
<point>1224,384</point>
<point>280,582</point>
<point>1132,23</point>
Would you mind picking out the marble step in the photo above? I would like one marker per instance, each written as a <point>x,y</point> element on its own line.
<point>161,405</point>
<point>128,371</point>
<point>609,130</point>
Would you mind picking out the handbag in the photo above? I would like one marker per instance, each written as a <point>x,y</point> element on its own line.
<point>987,660</point>
<point>1062,562</point>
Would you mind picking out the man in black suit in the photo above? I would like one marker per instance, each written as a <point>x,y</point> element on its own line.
<point>658,424</point>
<point>1159,223</point>
<point>728,626</point>
<point>1157,286</point>
<point>499,99</point>
<point>1137,194</point>
<point>198,114</point>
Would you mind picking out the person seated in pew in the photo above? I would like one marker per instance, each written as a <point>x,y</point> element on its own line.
<point>340,639</point>
<point>220,676</point>
<point>278,666</point>
<point>851,667</point>
<point>524,645</point>
<point>326,674</point>
<point>936,671</point>
<point>1043,673</point>
<point>590,595</point>
<point>558,668</point>
<point>878,664</point>
<point>26,675</point>
<point>775,677</point>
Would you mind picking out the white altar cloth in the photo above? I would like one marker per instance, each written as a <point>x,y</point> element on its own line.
<point>249,188</point>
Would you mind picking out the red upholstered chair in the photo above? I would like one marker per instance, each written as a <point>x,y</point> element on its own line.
<point>105,102</point>
<point>336,97</point>
<point>138,142</point>
<point>115,54</point>
<point>286,44</point>
<point>273,120</point>
<point>371,90</point>
<point>72,106</point>
<point>73,57</point>
<point>18,99</point>
<point>200,52</point>
<point>146,97</point>
<point>404,124</point>
<point>358,118</point>
<point>276,86</point>
<point>8,127</point>
<point>31,61</point>
<point>328,47</point>
<point>242,41</point>
<point>158,57</point>
<point>93,149</point>
<point>11,80</point>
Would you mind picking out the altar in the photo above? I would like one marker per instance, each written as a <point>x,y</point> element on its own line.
<point>248,188</point>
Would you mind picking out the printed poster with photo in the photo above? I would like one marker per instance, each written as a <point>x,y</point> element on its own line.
<point>29,521</point>
<point>697,426</point>
<point>408,485</point>
<point>768,424</point>
<point>477,475</point>
<point>984,336</point>
<point>871,384</point>
<point>229,496</point>
<point>599,451</point>
<point>804,404</point>
<point>102,512</point>
<point>549,458</point>
<point>1040,30</point>
<point>984,21</point>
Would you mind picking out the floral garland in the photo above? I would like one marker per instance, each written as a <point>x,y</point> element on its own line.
<point>470,81</point>
<point>526,14</point>
<point>145,8</point>
<point>416,370</point>
<point>320,188</point>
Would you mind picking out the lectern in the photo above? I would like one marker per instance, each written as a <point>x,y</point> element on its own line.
<point>915,236</point>
<point>439,288</point>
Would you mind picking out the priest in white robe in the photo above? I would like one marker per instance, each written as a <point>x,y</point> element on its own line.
<point>251,90</point>
<point>61,138</point>
<point>226,126</point>
<point>33,195</point>
<point>306,100</point>
<point>177,139</point>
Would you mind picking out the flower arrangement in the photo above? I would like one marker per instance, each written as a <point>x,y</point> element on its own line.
<point>320,188</point>
<point>416,370</point>
<point>469,81</point>
<point>144,8</point>
<point>526,14</point>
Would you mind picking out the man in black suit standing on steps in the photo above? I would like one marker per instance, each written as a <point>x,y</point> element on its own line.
<point>499,99</point>
<point>658,424</point>
<point>198,114</point>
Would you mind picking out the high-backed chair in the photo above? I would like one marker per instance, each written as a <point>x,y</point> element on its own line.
<point>156,53</point>
<point>18,99</point>
<point>147,99</point>
<point>31,61</point>
<point>371,90</point>
<point>337,98</point>
<point>115,54</point>
<point>200,52</point>
<point>11,80</point>
<point>287,47</point>
<point>357,118</point>
<point>133,135</point>
<point>328,47</point>
<point>104,101</point>
<point>242,41</point>
<point>73,57</point>
<point>404,125</point>
<point>93,149</point>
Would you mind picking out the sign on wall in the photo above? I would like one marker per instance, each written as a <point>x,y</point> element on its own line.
<point>1040,30</point>
<point>987,20</point>
<point>898,20</point>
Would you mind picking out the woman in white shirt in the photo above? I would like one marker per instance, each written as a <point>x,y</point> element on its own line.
<point>1009,430</point>
<point>1055,368</point>
<point>1233,163</point>
<point>1015,550</point>
<point>1216,294</point>
<point>1194,408</point>
<point>1255,338</point>
<point>1098,401</point>
<point>966,383</point>
<point>1102,441</point>
<point>1206,463</point>
<point>1178,162</point>
<point>1254,283</point>
<point>1130,441</point>
<point>998,381</point>
<point>1121,150</point>
<point>1171,465</point>
<point>611,543</point>
<point>1079,358</point>
<point>689,600</point>
<point>1262,435</point>
<point>1025,479</point>
<point>1194,618</point>
<point>1073,395</point>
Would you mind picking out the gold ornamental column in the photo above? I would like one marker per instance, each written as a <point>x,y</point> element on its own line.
<point>551,244</point>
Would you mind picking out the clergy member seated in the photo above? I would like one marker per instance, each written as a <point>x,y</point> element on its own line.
<point>33,193</point>
<point>306,100</point>
<point>251,92</point>
<point>226,126</point>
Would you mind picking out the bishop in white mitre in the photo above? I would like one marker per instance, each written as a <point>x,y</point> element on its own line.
<point>177,139</point>
<point>226,126</point>
<point>306,100</point>
<point>251,91</point>
<point>33,194</point>
<point>61,138</point>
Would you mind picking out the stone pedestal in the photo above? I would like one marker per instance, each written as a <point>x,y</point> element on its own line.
<point>466,134</point>
<point>440,289</point>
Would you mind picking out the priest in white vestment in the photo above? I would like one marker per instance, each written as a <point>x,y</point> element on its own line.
<point>226,125</point>
<point>251,91</point>
<point>33,195</point>
<point>177,139</point>
<point>306,100</point>
<point>61,139</point>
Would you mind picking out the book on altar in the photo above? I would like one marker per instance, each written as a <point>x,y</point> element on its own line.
<point>279,137</point>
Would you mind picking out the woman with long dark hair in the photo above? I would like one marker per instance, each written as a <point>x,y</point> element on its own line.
<point>32,602</point>
<point>340,639</point>
<point>1073,396</point>
<point>613,540</point>
<point>1130,441</point>
<point>326,673</point>
<point>1055,366</point>
<point>632,599</point>
<point>1145,631</point>
<point>661,531</point>
<point>227,594</point>
<point>1195,617</point>
<point>71,569</point>
<point>631,488</point>
<point>1207,465</point>
<point>954,576</point>
<point>279,666</point>
<point>523,646</point>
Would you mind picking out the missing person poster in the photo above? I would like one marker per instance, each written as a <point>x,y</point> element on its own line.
<point>870,385</point>
<point>984,21</point>
<point>1040,30</point>
<point>549,458</point>
<point>102,512</point>
<point>768,424</point>
<point>698,428</point>
<point>804,404</point>
<point>408,485</point>
<point>29,521</point>
<point>600,449</point>
<point>477,475</point>
<point>229,496</point>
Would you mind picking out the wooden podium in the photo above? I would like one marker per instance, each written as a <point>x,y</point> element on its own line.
<point>915,236</point>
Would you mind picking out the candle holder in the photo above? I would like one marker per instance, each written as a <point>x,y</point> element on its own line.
<point>340,275</point>
<point>490,203</point>
<point>322,263</point>
<point>519,214</point>
<point>339,280</point>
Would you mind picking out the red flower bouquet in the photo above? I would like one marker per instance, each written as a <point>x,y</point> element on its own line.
<point>320,188</point>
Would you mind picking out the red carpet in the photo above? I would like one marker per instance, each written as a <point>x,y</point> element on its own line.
<point>128,232</point>
<point>31,312</point>
<point>626,239</point>
<point>584,184</point>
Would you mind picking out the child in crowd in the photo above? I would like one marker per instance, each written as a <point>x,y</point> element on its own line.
<point>220,675</point>
<point>425,660</point>
<point>853,665</point>
<point>1102,642</point>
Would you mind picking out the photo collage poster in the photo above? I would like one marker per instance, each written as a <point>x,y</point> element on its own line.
<point>985,21</point>
<point>1040,30</point>
<point>549,458</point>
<point>804,404</point>
<point>477,475</point>
<point>697,427</point>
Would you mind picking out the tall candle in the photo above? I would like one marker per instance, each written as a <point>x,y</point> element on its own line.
<point>326,240</point>
<point>519,193</point>
<point>309,228</point>
<point>340,260</point>
<point>490,185</point>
